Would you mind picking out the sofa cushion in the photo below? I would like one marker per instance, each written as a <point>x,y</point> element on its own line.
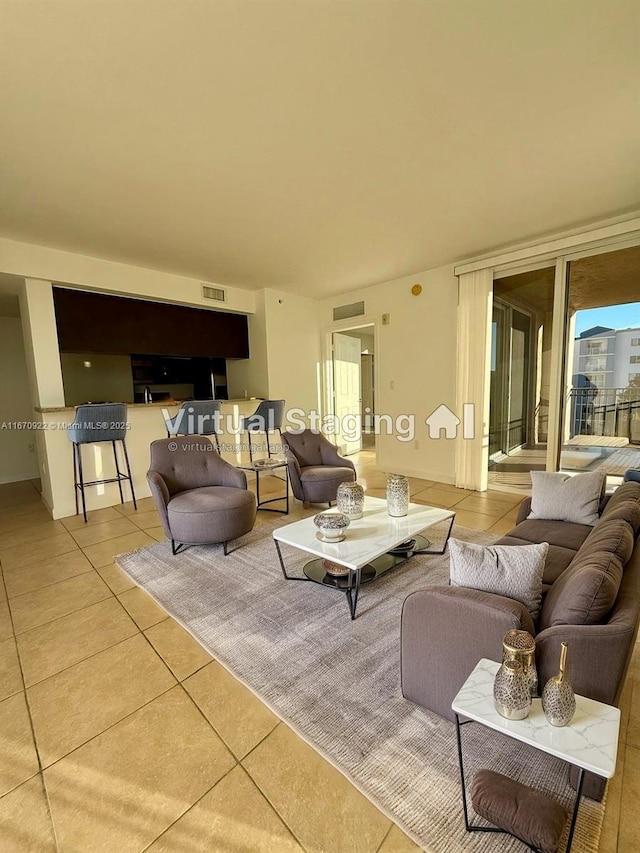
<point>515,572</point>
<point>565,534</point>
<point>558,558</point>
<point>566,498</point>
<point>610,534</point>
<point>585,593</point>
<point>624,503</point>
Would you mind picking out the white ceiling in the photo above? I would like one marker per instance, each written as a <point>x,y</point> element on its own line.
<point>314,146</point>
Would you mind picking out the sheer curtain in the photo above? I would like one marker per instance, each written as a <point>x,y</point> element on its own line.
<point>475,301</point>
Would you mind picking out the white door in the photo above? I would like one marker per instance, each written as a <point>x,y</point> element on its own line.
<point>346,390</point>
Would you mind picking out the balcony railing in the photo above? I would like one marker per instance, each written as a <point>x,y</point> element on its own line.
<point>605,412</point>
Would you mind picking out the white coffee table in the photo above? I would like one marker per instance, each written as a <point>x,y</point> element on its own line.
<point>589,742</point>
<point>365,551</point>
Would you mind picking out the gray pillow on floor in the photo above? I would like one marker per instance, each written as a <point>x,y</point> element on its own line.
<point>514,571</point>
<point>562,497</point>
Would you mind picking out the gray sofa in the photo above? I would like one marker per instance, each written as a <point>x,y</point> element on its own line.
<point>591,600</point>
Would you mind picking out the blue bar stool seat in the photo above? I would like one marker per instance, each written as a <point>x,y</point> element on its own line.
<point>93,423</point>
<point>196,417</point>
<point>266,418</point>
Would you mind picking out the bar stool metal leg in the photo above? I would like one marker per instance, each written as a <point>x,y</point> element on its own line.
<point>115,458</point>
<point>126,460</point>
<point>80,483</point>
<point>75,476</point>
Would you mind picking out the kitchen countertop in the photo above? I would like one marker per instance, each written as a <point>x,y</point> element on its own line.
<point>46,410</point>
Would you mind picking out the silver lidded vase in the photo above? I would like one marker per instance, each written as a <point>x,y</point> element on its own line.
<point>511,693</point>
<point>558,698</point>
<point>397,495</point>
<point>350,499</point>
<point>520,646</point>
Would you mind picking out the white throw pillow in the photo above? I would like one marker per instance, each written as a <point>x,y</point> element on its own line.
<point>562,497</point>
<point>514,571</point>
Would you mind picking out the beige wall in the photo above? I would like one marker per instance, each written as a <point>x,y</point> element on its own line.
<point>415,363</point>
<point>18,460</point>
<point>41,262</point>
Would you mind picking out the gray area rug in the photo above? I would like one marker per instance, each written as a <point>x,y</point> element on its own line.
<point>337,682</point>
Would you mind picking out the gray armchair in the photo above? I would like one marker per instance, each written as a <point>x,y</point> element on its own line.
<point>201,499</point>
<point>315,467</point>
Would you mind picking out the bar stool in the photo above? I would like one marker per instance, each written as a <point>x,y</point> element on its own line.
<point>196,417</point>
<point>93,423</point>
<point>266,418</point>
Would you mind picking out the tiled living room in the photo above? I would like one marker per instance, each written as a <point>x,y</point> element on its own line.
<point>144,741</point>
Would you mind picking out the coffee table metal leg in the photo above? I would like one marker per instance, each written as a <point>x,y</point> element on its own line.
<point>284,571</point>
<point>352,591</point>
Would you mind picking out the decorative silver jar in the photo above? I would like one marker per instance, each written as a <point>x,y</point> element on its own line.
<point>511,694</point>
<point>397,495</point>
<point>520,646</point>
<point>558,698</point>
<point>350,500</point>
<point>331,526</point>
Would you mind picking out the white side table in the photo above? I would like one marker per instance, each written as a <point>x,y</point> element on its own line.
<point>589,742</point>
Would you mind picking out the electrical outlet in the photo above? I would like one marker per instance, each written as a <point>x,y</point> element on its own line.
<point>31,448</point>
<point>392,385</point>
<point>386,319</point>
<point>416,445</point>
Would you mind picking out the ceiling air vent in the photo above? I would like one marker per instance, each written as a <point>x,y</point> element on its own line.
<point>215,293</point>
<point>343,312</point>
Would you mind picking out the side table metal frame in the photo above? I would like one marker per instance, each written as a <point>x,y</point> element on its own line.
<point>475,828</point>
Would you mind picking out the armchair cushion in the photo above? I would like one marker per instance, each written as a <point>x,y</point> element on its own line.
<point>211,514</point>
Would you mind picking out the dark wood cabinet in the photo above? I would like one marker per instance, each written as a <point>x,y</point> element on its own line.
<point>94,322</point>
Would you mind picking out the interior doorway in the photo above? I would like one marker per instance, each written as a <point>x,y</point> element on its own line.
<point>353,376</point>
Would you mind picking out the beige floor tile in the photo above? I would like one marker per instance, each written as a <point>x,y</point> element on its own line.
<point>117,580</point>
<point>10,675</point>
<point>454,490</point>
<point>629,831</point>
<point>32,533</point>
<point>322,809</point>
<point>51,602</point>
<point>502,526</point>
<point>6,628</point>
<point>94,533</point>
<point>25,825</point>
<point>49,649</point>
<point>34,552</point>
<point>3,591</point>
<point>238,716</point>
<point>181,653</point>
<point>144,611</point>
<point>104,552</point>
<point>19,517</point>
<point>138,777</point>
<point>157,533</point>
<point>145,520</point>
<point>633,726</point>
<point>15,493</point>
<point>234,816</point>
<point>485,505</point>
<point>397,842</point>
<point>435,496</point>
<point>29,578</point>
<point>75,705</point>
<point>127,508</point>
<point>474,520</point>
<point>94,516</point>
<point>19,759</point>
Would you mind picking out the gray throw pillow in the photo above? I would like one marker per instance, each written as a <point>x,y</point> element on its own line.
<point>563,497</point>
<point>514,571</point>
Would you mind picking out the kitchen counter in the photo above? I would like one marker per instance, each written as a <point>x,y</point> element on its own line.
<point>47,410</point>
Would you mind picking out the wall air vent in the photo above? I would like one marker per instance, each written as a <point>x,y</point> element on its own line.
<point>215,293</point>
<point>343,312</point>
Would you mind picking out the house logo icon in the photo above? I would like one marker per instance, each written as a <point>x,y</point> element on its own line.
<point>443,419</point>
